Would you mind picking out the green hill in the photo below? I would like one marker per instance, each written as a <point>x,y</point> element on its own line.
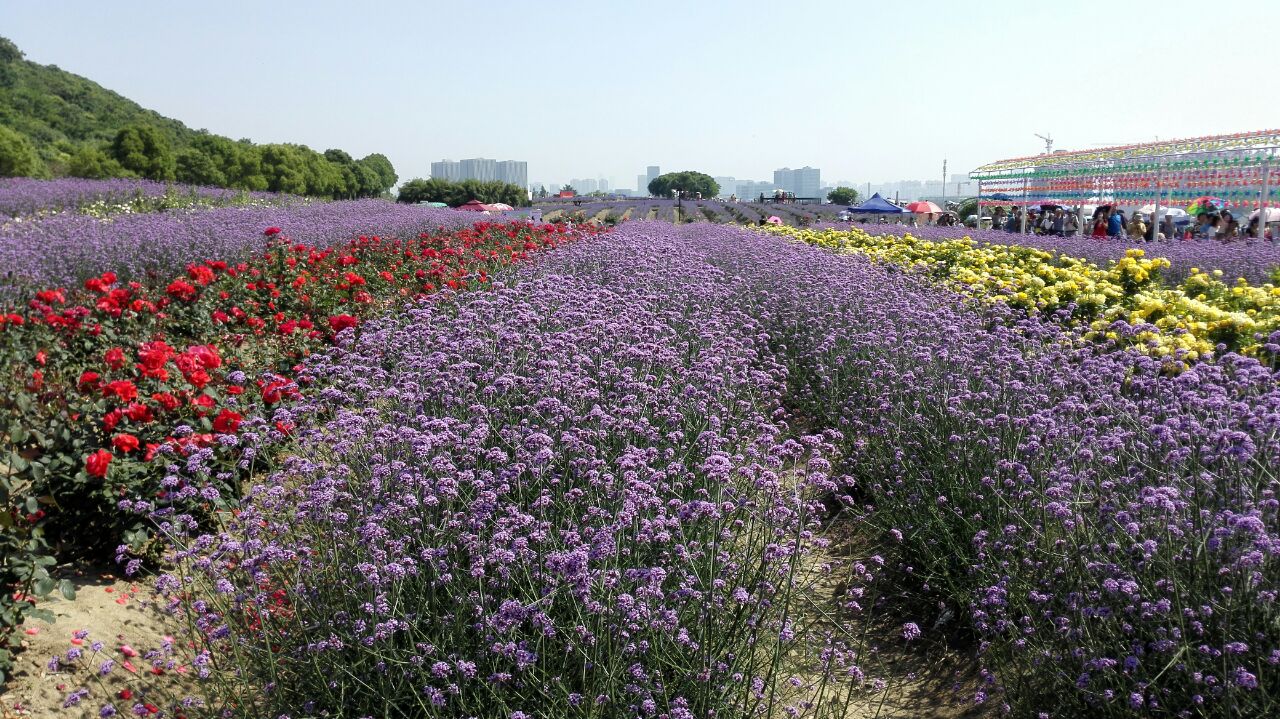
<point>58,111</point>
<point>55,123</point>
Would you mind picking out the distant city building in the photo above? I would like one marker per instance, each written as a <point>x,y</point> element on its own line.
<point>447,170</point>
<point>602,185</point>
<point>642,185</point>
<point>727,185</point>
<point>751,190</point>
<point>804,182</point>
<point>651,172</point>
<point>480,169</point>
<point>515,172</point>
<point>585,186</point>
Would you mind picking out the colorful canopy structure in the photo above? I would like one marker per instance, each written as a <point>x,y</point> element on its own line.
<point>1242,170</point>
<point>474,206</point>
<point>877,205</point>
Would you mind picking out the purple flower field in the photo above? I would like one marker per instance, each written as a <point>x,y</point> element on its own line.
<point>64,249</point>
<point>590,492</point>
<point>20,196</point>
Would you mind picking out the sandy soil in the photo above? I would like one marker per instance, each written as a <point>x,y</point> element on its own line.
<point>120,614</point>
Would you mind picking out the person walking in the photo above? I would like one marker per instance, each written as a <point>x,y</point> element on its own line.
<point>1167,229</point>
<point>1100,223</point>
<point>1058,225</point>
<point>1137,229</point>
<point>1073,224</point>
<point>1115,224</point>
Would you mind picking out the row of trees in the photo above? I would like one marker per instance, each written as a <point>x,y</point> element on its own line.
<point>455,194</point>
<point>145,151</point>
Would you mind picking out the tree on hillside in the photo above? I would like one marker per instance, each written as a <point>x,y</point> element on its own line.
<point>94,163</point>
<point>9,52</point>
<point>17,155</point>
<point>144,151</point>
<point>685,181</point>
<point>382,168</point>
<point>197,168</point>
<point>455,194</point>
<point>285,168</point>
<point>843,196</point>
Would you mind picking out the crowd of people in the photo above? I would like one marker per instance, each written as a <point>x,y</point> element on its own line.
<point>1111,222</point>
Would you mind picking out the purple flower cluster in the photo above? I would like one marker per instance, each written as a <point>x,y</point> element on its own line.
<point>585,489</point>
<point>21,196</point>
<point>64,249</point>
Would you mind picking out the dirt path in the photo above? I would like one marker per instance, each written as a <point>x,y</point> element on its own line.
<point>120,614</point>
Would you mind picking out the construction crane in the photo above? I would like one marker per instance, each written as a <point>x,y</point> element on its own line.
<point>1048,143</point>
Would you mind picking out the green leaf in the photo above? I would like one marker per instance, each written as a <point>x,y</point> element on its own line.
<point>43,615</point>
<point>17,462</point>
<point>68,589</point>
<point>45,586</point>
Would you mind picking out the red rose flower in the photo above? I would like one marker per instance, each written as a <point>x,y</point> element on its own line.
<point>114,358</point>
<point>138,413</point>
<point>339,323</point>
<point>271,231</point>
<point>207,355</point>
<point>227,422</point>
<point>96,464</point>
<point>88,380</point>
<point>125,442</point>
<point>166,400</point>
<point>181,289</point>
<point>122,388</point>
<point>111,419</point>
<point>200,274</point>
<point>155,355</point>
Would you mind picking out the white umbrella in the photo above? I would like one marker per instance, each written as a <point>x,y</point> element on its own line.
<point>1164,210</point>
<point>1273,215</point>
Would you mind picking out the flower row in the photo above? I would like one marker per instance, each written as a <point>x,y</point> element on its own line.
<point>1196,318</point>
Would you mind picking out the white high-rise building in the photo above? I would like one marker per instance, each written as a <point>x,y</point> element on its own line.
<point>515,172</point>
<point>446,170</point>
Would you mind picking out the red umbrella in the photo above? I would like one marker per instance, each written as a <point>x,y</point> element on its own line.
<point>924,207</point>
<point>474,206</point>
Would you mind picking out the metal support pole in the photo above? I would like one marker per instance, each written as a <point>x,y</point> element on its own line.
<point>1155,214</point>
<point>1024,204</point>
<point>1263,198</point>
<point>977,208</point>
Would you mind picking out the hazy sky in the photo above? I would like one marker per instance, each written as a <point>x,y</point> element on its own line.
<point>584,89</point>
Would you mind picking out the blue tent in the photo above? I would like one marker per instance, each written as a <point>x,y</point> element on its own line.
<point>877,205</point>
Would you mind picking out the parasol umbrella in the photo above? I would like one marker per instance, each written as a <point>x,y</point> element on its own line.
<point>774,220</point>
<point>1205,204</point>
<point>1273,215</point>
<point>474,206</point>
<point>924,207</point>
<point>499,207</point>
<point>437,204</point>
<point>1164,210</point>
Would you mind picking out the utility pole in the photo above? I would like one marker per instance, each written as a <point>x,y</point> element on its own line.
<point>944,183</point>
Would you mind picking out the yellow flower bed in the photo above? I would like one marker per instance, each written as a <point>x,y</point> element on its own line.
<point>1194,317</point>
